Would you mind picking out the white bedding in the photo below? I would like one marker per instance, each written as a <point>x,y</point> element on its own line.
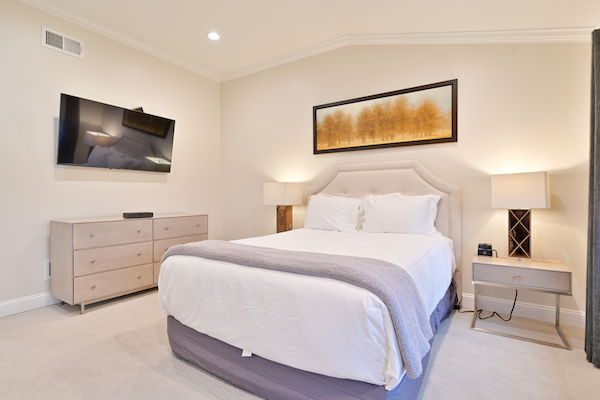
<point>323,326</point>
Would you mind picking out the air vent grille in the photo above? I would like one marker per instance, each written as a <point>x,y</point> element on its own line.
<point>57,41</point>
<point>54,40</point>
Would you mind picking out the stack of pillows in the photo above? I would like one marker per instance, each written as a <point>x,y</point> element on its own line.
<point>389,213</point>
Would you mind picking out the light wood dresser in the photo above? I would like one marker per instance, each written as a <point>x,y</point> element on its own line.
<point>100,258</point>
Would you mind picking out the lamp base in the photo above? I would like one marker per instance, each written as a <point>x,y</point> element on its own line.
<point>519,233</point>
<point>284,218</point>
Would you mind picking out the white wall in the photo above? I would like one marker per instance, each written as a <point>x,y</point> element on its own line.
<point>34,190</point>
<point>521,108</point>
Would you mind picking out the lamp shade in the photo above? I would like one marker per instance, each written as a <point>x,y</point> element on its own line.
<point>282,193</point>
<point>97,139</point>
<point>521,191</point>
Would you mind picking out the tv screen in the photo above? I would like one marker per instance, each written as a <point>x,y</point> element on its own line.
<point>93,134</point>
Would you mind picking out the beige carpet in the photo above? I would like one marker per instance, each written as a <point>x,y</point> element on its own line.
<point>119,350</point>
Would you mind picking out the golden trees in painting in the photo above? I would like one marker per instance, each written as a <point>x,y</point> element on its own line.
<point>389,121</point>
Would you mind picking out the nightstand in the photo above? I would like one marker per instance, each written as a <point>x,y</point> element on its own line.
<point>546,276</point>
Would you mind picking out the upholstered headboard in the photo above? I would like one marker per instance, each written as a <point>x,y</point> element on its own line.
<point>408,177</point>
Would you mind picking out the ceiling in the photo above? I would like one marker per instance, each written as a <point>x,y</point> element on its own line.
<point>258,34</point>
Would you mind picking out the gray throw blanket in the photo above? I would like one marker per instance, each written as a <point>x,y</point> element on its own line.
<point>389,282</point>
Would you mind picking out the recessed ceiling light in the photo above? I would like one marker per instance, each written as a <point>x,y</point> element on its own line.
<point>213,35</point>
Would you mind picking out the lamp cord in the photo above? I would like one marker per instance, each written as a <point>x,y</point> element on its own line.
<point>493,312</point>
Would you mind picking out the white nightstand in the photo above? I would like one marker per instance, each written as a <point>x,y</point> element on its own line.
<point>546,276</point>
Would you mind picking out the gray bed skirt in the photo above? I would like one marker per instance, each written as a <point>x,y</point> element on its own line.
<point>275,381</point>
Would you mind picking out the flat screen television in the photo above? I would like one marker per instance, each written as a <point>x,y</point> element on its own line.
<point>93,134</point>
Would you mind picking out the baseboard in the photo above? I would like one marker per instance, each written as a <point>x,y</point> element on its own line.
<point>28,303</point>
<point>526,310</point>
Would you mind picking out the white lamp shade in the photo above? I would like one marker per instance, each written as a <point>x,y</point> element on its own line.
<point>521,191</point>
<point>282,193</point>
<point>97,139</point>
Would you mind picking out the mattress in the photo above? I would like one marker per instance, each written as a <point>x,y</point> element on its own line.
<point>323,326</point>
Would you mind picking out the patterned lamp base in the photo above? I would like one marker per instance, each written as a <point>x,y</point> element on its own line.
<point>519,233</point>
<point>284,218</point>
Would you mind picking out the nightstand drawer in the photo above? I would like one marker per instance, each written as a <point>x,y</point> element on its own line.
<point>555,281</point>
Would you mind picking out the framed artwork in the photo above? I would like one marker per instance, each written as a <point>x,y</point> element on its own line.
<point>147,123</point>
<point>420,115</point>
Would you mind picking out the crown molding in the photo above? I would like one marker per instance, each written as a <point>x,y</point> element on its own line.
<point>563,35</point>
<point>41,5</point>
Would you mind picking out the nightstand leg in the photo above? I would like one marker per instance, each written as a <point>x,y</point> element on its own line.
<point>557,325</point>
<point>474,319</point>
<point>82,307</point>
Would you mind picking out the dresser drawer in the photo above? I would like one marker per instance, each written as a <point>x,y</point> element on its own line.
<point>555,281</point>
<point>105,284</point>
<point>156,272</point>
<point>165,228</point>
<point>102,259</point>
<point>160,246</point>
<point>98,234</point>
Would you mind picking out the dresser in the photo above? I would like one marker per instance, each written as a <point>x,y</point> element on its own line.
<point>96,259</point>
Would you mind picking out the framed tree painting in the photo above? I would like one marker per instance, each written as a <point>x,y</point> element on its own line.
<point>420,115</point>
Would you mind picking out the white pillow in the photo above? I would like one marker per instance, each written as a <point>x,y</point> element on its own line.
<point>396,213</point>
<point>332,213</point>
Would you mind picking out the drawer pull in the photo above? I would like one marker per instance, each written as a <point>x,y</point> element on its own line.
<point>92,261</point>
<point>139,253</point>
<point>166,228</point>
<point>93,286</point>
<point>198,225</point>
<point>139,230</point>
<point>166,248</point>
<point>92,234</point>
<point>139,276</point>
<point>518,277</point>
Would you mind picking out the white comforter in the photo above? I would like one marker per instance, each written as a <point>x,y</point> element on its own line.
<point>314,324</point>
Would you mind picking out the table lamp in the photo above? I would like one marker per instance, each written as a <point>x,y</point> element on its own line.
<point>284,195</point>
<point>92,139</point>
<point>520,193</point>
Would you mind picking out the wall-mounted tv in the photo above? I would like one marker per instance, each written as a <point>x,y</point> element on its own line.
<point>93,134</point>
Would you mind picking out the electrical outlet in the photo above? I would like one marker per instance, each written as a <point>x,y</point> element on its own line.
<point>47,269</point>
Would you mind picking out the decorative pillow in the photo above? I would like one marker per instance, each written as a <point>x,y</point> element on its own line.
<point>332,213</point>
<point>396,213</point>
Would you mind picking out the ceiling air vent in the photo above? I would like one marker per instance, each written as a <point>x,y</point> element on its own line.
<point>62,43</point>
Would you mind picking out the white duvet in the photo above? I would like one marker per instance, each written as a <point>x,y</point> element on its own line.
<point>315,324</point>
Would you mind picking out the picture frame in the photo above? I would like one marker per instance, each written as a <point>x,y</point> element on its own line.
<point>408,117</point>
<point>146,123</point>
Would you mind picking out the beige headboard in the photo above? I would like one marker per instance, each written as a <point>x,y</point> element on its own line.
<point>408,177</point>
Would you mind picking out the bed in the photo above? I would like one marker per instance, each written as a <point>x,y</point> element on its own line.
<point>126,153</point>
<point>287,335</point>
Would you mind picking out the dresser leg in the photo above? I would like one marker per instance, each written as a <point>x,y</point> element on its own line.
<point>82,307</point>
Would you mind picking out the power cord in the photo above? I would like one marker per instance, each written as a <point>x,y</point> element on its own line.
<point>493,312</point>
<point>499,316</point>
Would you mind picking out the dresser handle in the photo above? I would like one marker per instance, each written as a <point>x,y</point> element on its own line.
<point>139,276</point>
<point>166,248</point>
<point>93,286</point>
<point>139,230</point>
<point>198,225</point>
<point>519,278</point>
<point>139,253</point>
<point>93,261</point>
<point>166,228</point>
<point>92,234</point>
